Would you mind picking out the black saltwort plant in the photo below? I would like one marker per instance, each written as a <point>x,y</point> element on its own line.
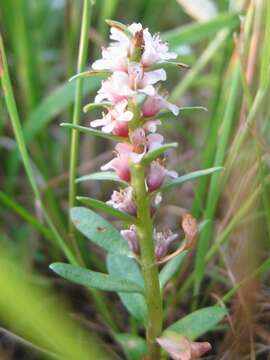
<point>140,259</point>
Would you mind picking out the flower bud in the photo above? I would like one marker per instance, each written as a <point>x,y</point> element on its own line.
<point>132,238</point>
<point>137,46</point>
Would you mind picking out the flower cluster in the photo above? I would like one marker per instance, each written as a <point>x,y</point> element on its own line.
<point>130,95</point>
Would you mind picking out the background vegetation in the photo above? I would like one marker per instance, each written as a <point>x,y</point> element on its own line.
<point>227,45</point>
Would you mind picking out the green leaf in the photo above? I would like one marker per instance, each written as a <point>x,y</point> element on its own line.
<point>134,346</point>
<point>168,64</point>
<point>94,106</point>
<point>187,177</point>
<point>152,155</point>
<point>128,268</point>
<point>170,268</point>
<point>192,108</point>
<point>99,231</point>
<point>104,176</point>
<point>93,132</point>
<point>118,25</point>
<point>56,102</point>
<point>91,73</point>
<point>100,205</point>
<point>199,322</point>
<point>93,279</point>
<point>196,32</point>
<point>165,115</point>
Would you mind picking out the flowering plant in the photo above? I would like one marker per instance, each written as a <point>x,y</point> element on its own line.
<point>134,105</point>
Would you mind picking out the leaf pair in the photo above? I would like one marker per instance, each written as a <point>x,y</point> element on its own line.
<point>124,275</point>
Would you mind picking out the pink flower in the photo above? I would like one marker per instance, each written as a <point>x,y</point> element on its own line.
<point>142,81</point>
<point>140,145</point>
<point>120,163</point>
<point>116,120</point>
<point>115,88</point>
<point>163,241</point>
<point>156,103</point>
<point>121,85</point>
<point>150,142</point>
<point>157,174</point>
<point>114,58</point>
<point>122,200</point>
<point>155,50</point>
<point>132,238</point>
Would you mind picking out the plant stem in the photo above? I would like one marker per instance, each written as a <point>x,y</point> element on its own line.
<point>149,268</point>
<point>77,107</point>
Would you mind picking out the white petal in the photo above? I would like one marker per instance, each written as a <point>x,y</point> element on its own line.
<point>108,128</point>
<point>173,108</point>
<point>126,116</point>
<point>152,77</point>
<point>152,125</point>
<point>99,122</point>
<point>135,27</point>
<point>121,105</point>
<point>101,64</point>
<point>119,35</point>
<point>107,166</point>
<point>172,174</point>
<point>148,90</point>
<point>136,158</point>
<point>100,97</point>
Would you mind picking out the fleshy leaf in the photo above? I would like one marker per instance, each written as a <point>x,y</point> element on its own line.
<point>192,108</point>
<point>94,106</point>
<point>199,322</point>
<point>124,266</point>
<point>89,73</point>
<point>99,231</point>
<point>134,346</point>
<point>93,279</point>
<point>118,25</point>
<point>100,205</point>
<point>167,64</point>
<point>90,131</point>
<point>103,176</point>
<point>152,155</point>
<point>170,268</point>
<point>187,177</point>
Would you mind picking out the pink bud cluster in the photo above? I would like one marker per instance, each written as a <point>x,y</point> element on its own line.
<point>132,101</point>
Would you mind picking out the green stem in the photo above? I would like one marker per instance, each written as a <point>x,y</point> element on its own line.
<point>77,106</point>
<point>149,268</point>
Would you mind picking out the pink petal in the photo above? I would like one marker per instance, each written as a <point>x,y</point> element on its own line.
<point>154,141</point>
